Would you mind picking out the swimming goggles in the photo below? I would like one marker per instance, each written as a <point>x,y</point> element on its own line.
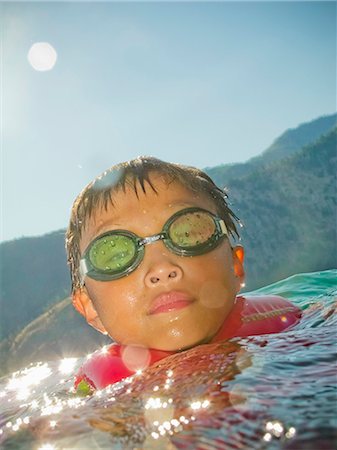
<point>116,253</point>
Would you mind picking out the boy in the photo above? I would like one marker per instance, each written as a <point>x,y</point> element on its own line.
<point>150,256</point>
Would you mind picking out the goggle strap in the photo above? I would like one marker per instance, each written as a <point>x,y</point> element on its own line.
<point>223,227</point>
<point>83,268</point>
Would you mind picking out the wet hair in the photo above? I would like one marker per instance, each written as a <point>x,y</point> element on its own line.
<point>135,174</point>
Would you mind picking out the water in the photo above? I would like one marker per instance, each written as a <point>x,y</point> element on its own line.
<point>264,392</point>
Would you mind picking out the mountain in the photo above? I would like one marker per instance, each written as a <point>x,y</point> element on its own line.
<point>33,276</point>
<point>288,209</point>
<point>290,142</point>
<point>295,139</point>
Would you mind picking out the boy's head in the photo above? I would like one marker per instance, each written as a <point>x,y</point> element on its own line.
<point>169,292</point>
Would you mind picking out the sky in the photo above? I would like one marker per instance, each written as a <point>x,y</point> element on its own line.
<point>198,83</point>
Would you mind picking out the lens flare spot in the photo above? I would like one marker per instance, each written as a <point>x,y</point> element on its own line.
<point>108,179</point>
<point>238,397</point>
<point>243,359</point>
<point>136,358</point>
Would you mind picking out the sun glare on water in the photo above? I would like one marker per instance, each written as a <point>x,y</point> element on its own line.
<point>42,56</point>
<point>67,365</point>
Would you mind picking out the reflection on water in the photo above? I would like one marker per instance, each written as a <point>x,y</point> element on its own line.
<point>263,392</point>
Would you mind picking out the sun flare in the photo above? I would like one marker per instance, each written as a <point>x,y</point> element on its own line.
<point>42,56</point>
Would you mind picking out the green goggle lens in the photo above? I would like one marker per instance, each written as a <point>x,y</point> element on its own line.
<point>112,253</point>
<point>192,229</point>
<point>116,253</point>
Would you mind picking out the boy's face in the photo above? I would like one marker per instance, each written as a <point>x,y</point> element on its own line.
<point>202,288</point>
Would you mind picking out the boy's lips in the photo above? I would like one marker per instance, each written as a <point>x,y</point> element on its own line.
<point>169,301</point>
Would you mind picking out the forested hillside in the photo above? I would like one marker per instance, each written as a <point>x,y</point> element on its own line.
<point>33,275</point>
<point>290,142</point>
<point>289,214</point>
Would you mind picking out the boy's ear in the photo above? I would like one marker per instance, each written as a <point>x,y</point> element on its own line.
<point>83,304</point>
<point>238,258</point>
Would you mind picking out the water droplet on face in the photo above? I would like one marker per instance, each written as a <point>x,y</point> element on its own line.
<point>102,252</point>
<point>112,244</point>
<point>187,233</point>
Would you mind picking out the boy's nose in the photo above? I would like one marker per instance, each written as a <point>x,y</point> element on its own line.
<point>162,270</point>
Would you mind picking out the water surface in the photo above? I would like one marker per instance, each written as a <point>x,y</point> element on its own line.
<point>264,392</point>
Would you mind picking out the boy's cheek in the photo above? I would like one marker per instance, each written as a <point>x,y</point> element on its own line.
<point>122,315</point>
